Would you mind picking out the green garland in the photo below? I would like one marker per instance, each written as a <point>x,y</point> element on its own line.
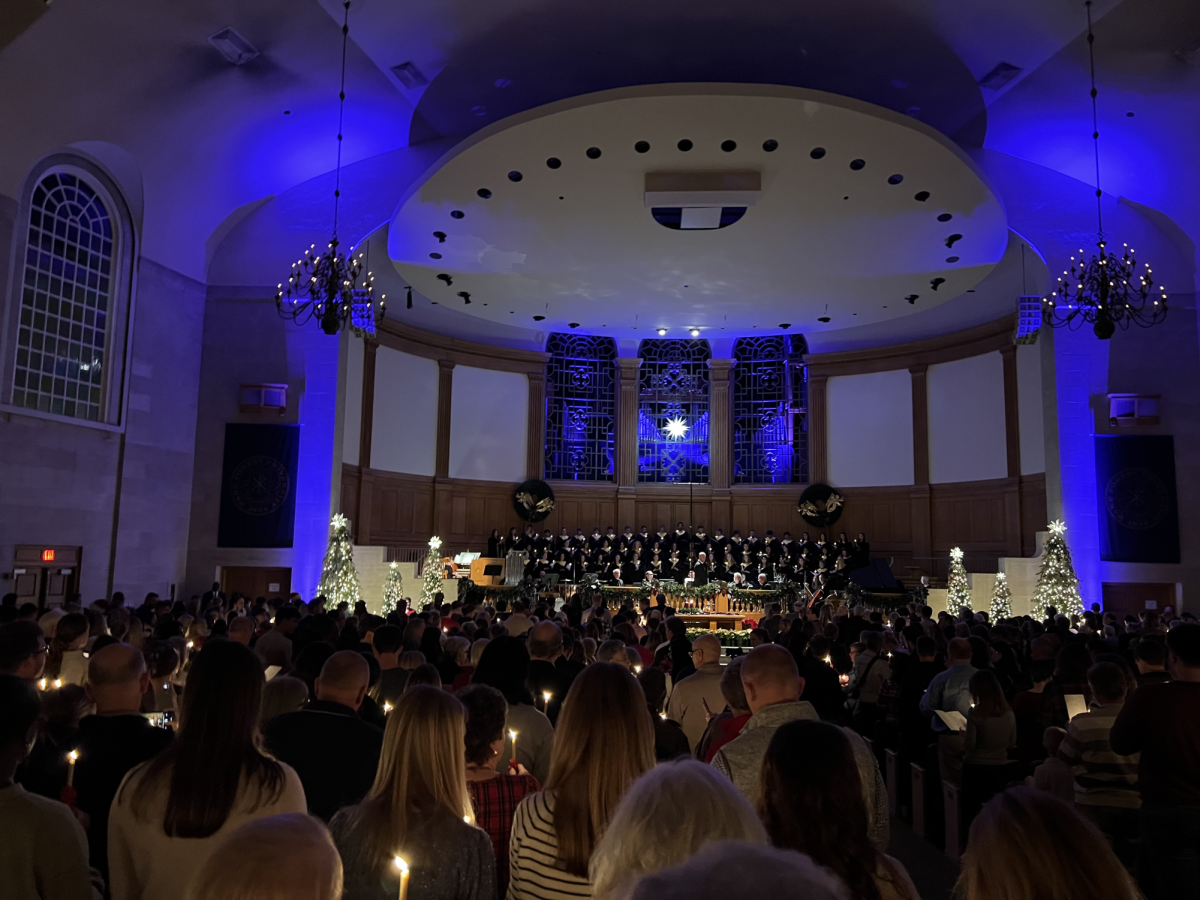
<point>727,636</point>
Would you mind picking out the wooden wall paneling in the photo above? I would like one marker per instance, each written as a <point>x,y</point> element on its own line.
<point>627,419</point>
<point>920,423</point>
<point>720,432</point>
<point>1012,419</point>
<point>362,518</point>
<point>1033,511</point>
<point>921,528</point>
<point>351,476</point>
<point>535,445</point>
<point>445,393</point>
<point>818,427</point>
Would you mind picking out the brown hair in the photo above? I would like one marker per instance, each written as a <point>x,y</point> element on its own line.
<point>1028,843</point>
<point>603,742</point>
<point>988,695</point>
<point>218,735</point>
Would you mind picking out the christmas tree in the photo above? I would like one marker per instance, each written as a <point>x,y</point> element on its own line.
<point>432,576</point>
<point>393,587</point>
<point>339,581</point>
<point>960,593</point>
<point>1001,599</point>
<point>1057,583</point>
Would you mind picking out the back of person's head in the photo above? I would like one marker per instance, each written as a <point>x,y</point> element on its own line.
<point>654,685</point>
<point>20,641</point>
<point>282,694</point>
<point>1028,843</point>
<point>344,679</point>
<point>477,648</point>
<point>218,736</point>
<point>770,676</point>
<point>812,801</point>
<point>544,640</point>
<point>388,639</point>
<point>676,627</point>
<point>425,675</point>
<point>486,711</point>
<point>117,677</point>
<point>1072,663</point>
<point>731,686</point>
<point>739,869</point>
<point>20,706</point>
<point>287,857</point>
<point>1151,651</point>
<point>959,650</point>
<point>604,739</point>
<point>422,772</point>
<point>1184,643</point>
<point>926,648</point>
<point>701,804</point>
<point>503,665</point>
<point>988,695</point>
<point>1108,682</point>
<point>241,629</point>
<point>456,649</point>
<point>611,651</point>
<point>411,659</point>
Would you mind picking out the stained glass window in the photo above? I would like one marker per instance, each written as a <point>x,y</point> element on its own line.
<point>66,296</point>
<point>770,435</point>
<point>580,403</point>
<point>673,412</point>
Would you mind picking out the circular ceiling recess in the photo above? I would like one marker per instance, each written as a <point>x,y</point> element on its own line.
<point>826,240</point>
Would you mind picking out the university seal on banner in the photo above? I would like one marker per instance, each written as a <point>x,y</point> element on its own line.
<point>259,485</point>
<point>1137,499</point>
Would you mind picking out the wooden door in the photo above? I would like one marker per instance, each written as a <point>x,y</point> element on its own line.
<point>46,575</point>
<point>1126,599</point>
<point>256,581</point>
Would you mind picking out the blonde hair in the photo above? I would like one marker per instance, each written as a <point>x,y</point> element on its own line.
<point>422,772</point>
<point>1028,843</point>
<point>289,857</point>
<point>477,649</point>
<point>702,806</point>
<point>604,740</point>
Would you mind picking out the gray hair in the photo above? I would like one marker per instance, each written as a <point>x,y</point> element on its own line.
<point>611,651</point>
<point>456,648</point>
<point>703,805</point>
<point>740,869</point>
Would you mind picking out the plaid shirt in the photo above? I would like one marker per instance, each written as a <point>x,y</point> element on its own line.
<point>495,801</point>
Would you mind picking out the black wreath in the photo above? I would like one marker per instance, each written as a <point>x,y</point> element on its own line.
<point>533,500</point>
<point>820,505</point>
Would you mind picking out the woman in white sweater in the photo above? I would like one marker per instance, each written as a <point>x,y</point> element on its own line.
<point>172,812</point>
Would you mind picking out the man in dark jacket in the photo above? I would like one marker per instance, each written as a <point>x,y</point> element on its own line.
<point>334,752</point>
<point>545,644</point>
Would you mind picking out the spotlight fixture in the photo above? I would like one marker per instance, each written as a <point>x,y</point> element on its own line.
<point>662,332</point>
<point>695,332</point>
<point>466,297</point>
<point>1105,290</point>
<point>332,287</point>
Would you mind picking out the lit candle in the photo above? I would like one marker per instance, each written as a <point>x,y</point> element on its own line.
<point>663,715</point>
<point>57,683</point>
<point>546,695</point>
<point>512,735</point>
<point>387,707</point>
<point>637,670</point>
<point>42,685</point>
<point>71,757</point>
<point>400,864</point>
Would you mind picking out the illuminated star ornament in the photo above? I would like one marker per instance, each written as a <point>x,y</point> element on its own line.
<point>956,554</point>
<point>676,428</point>
<point>435,543</point>
<point>1058,527</point>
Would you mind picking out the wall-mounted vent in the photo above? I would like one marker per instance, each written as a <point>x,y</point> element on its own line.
<point>235,48</point>
<point>263,399</point>
<point>409,75</point>
<point>1000,76</point>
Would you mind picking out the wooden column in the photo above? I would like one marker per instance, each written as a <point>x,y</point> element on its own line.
<point>920,406</point>
<point>1012,439</point>
<point>720,424</point>
<point>535,444</point>
<point>626,439</point>
<point>362,525</point>
<point>818,440</point>
<point>445,390</point>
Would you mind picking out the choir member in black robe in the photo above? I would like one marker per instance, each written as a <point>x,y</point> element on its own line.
<point>681,540</point>
<point>753,544</point>
<point>719,541</point>
<point>627,538</point>
<point>562,543</point>
<point>494,543</point>
<point>860,551</point>
<point>595,540</point>
<point>511,543</point>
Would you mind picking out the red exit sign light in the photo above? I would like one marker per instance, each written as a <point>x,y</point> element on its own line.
<point>47,556</point>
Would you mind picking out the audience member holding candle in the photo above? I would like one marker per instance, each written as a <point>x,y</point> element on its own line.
<point>605,740</point>
<point>22,650</point>
<point>503,665</point>
<point>418,809</point>
<point>172,812</point>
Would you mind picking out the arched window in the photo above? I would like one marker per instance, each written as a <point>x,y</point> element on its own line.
<point>65,359</point>
<point>770,432</point>
<point>580,385</point>
<point>673,412</point>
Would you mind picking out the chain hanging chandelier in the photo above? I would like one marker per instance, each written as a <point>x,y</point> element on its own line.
<point>1107,290</point>
<point>333,287</point>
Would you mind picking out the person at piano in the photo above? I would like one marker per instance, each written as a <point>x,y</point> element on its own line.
<point>615,579</point>
<point>761,582</point>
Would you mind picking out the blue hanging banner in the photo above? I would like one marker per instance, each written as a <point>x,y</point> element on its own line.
<point>1135,484</point>
<point>258,486</point>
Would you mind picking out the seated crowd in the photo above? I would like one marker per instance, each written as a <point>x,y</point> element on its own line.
<point>238,750</point>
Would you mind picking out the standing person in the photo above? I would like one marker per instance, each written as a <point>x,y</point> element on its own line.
<point>275,647</point>
<point>725,726</point>
<point>604,742</point>
<point>812,801</point>
<point>991,733</point>
<point>1105,782</point>
<point>44,853</point>
<point>503,665</point>
<point>1027,844</point>
<point>698,695</point>
<point>669,740</point>
<point>950,691</point>
<point>113,740</point>
<point>418,809</point>
<point>494,796</point>
<point>545,645</point>
<point>1162,722</point>
<point>330,729</point>
<point>171,813</point>
<point>387,643</point>
<point>22,650</point>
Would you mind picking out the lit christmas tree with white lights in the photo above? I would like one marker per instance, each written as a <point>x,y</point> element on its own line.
<point>432,576</point>
<point>959,591</point>
<point>1001,599</point>
<point>393,588</point>
<point>339,581</point>
<point>1057,583</point>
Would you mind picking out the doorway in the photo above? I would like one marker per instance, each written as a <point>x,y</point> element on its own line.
<point>256,581</point>
<point>46,575</point>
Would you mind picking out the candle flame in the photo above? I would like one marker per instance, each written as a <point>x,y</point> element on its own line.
<point>57,683</point>
<point>387,707</point>
<point>73,755</point>
<point>512,735</point>
<point>400,864</point>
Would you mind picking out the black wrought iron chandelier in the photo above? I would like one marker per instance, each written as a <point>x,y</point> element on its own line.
<point>1106,291</point>
<point>333,287</point>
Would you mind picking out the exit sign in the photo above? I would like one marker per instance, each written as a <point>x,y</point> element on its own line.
<point>47,556</point>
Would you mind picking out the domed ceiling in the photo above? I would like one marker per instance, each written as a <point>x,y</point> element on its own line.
<point>841,214</point>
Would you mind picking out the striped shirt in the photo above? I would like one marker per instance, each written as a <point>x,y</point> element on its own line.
<point>532,851</point>
<point>1102,777</point>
